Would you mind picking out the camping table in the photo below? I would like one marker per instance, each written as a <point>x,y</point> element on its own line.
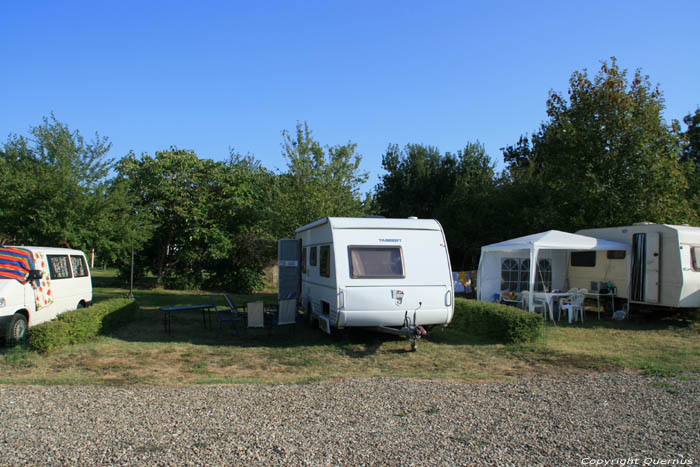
<point>167,314</point>
<point>597,296</point>
<point>549,298</point>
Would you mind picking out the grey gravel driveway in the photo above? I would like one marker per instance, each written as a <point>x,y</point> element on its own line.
<point>567,420</point>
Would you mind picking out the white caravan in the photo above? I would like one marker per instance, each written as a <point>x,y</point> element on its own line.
<point>389,274</point>
<point>664,265</point>
<point>38,283</point>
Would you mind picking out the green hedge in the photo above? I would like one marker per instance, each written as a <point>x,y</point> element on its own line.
<point>497,322</point>
<point>80,325</point>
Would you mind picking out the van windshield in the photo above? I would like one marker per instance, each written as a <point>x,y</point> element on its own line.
<point>375,261</point>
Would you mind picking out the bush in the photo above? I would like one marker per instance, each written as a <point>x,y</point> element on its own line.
<point>80,325</point>
<point>497,322</point>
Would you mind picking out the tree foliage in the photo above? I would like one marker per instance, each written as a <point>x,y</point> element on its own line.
<point>319,182</point>
<point>691,138</point>
<point>56,191</point>
<point>208,218</point>
<point>605,156</point>
<point>456,189</point>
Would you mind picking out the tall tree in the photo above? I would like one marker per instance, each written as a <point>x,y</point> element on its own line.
<point>319,182</point>
<point>209,218</point>
<point>56,190</point>
<point>604,157</point>
<point>691,138</point>
<point>456,189</point>
<point>417,180</point>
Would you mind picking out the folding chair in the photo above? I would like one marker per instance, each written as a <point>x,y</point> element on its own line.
<point>256,315</point>
<point>226,315</point>
<point>286,313</point>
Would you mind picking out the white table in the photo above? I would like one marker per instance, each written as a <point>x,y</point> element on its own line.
<point>549,299</point>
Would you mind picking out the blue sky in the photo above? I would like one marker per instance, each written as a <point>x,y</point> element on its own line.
<point>209,76</point>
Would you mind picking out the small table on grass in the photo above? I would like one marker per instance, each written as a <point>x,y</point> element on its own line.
<point>167,314</point>
<point>597,296</point>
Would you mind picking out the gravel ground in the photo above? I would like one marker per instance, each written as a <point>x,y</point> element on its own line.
<point>567,420</point>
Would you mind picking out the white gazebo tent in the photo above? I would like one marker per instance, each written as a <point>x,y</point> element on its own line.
<point>553,245</point>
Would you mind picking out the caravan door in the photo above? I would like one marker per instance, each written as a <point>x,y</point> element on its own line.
<point>645,267</point>
<point>289,278</point>
<point>651,283</point>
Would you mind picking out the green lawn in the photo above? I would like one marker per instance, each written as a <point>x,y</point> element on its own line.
<point>142,353</point>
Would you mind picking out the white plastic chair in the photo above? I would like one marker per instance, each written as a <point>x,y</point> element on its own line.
<point>575,306</point>
<point>566,300</point>
<point>539,304</point>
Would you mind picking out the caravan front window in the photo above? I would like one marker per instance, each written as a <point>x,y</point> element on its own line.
<point>375,261</point>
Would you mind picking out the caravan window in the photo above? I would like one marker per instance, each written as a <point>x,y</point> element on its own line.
<point>312,260</point>
<point>325,254</point>
<point>585,259</point>
<point>616,254</point>
<point>695,257</point>
<point>58,267</point>
<point>371,261</point>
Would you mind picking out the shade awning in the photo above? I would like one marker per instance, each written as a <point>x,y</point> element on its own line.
<point>556,240</point>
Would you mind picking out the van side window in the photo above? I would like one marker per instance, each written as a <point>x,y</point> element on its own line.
<point>695,257</point>
<point>78,265</point>
<point>312,260</point>
<point>325,254</point>
<point>375,261</point>
<point>303,260</point>
<point>584,259</point>
<point>58,267</point>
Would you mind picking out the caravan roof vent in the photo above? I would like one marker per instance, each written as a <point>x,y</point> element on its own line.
<point>644,223</point>
<point>412,217</point>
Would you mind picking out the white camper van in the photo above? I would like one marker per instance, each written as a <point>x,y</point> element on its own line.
<point>38,283</point>
<point>390,274</point>
<point>664,268</point>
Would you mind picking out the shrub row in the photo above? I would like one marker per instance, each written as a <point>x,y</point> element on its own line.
<point>80,325</point>
<point>497,322</point>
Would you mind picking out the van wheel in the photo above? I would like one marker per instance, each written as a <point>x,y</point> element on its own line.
<point>80,305</point>
<point>16,330</point>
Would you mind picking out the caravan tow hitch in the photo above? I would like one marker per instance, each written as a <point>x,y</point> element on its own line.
<point>416,332</point>
<point>409,329</point>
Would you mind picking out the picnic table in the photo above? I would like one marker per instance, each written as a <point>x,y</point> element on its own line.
<point>168,310</point>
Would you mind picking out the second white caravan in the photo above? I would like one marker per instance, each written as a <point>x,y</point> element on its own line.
<point>373,272</point>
